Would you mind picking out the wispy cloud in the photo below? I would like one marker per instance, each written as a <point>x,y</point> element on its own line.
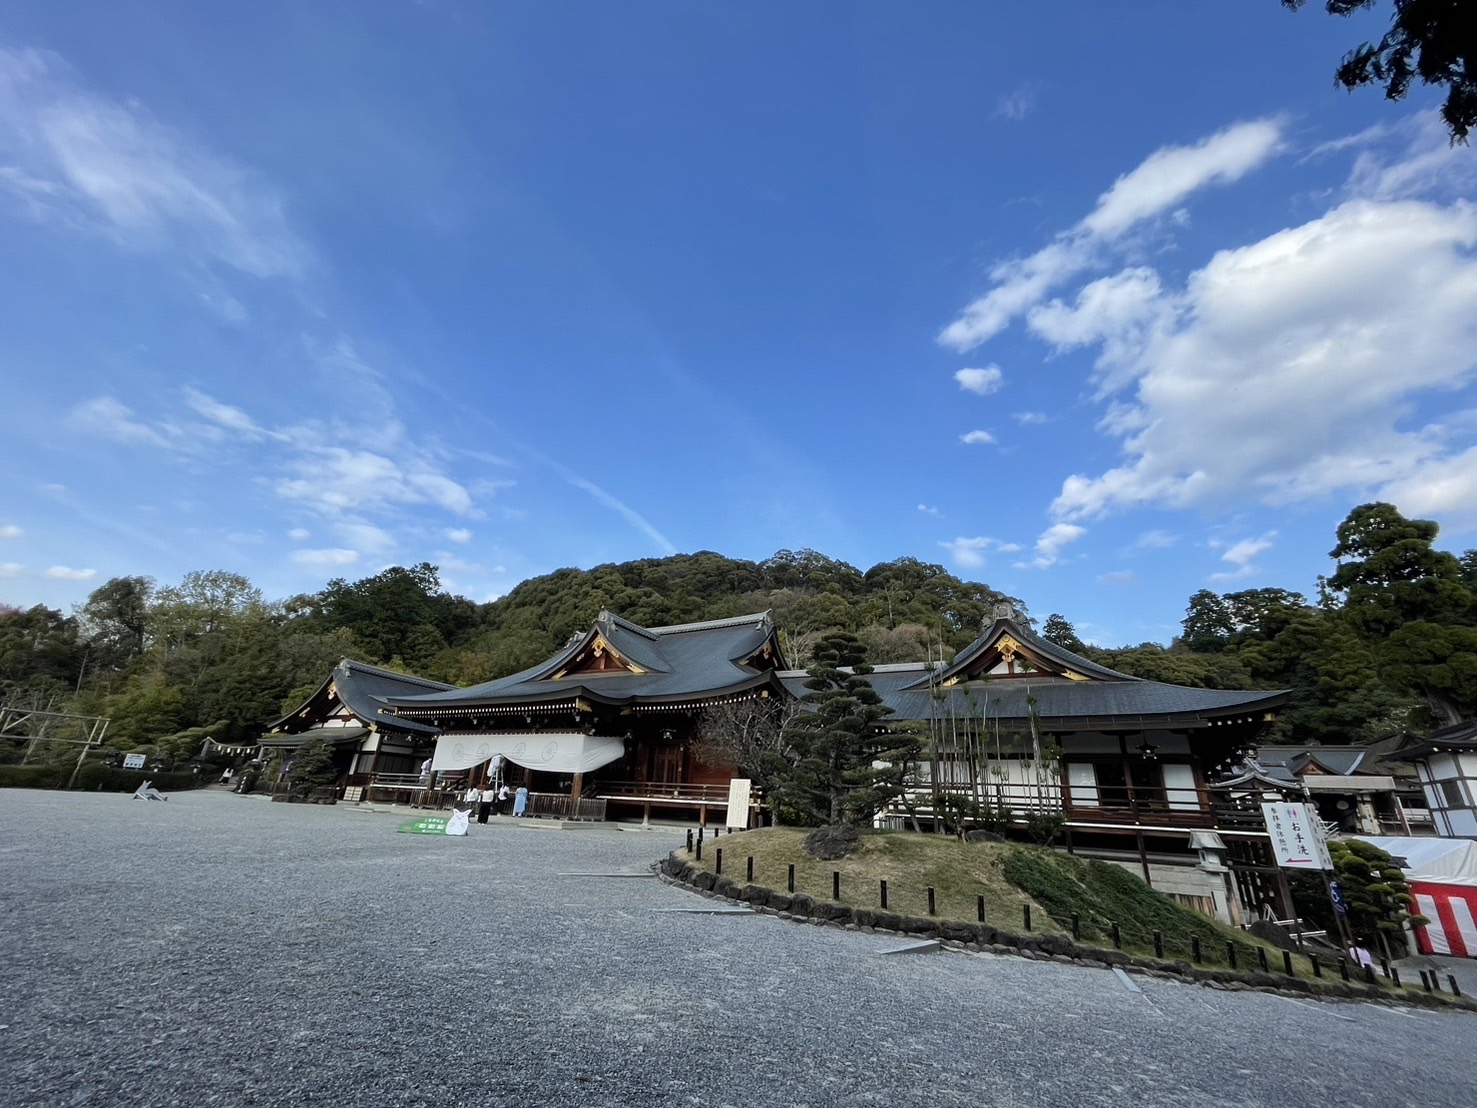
<point>1029,419</point>
<point>1016,105</point>
<point>1050,543</point>
<point>1155,187</point>
<point>926,510</point>
<point>1118,578</point>
<point>970,553</point>
<point>329,557</point>
<point>67,573</point>
<point>88,161</point>
<point>977,438</point>
<point>1241,555</point>
<point>10,531</point>
<point>629,514</point>
<point>11,569</point>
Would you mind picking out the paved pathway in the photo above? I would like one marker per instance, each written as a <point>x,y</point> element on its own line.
<point>220,950</point>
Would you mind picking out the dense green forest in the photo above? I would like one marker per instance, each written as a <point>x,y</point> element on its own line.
<point>1387,643</point>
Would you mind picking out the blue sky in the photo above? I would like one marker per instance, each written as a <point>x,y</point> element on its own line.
<point>1099,304</point>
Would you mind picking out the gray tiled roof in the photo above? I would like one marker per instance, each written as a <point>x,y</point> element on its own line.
<point>361,689</point>
<point>682,660</point>
<point>1050,650</point>
<point>1057,701</point>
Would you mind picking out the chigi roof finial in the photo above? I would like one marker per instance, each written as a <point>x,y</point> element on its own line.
<point>1004,611</point>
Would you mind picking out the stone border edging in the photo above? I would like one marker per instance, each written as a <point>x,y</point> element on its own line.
<point>981,938</point>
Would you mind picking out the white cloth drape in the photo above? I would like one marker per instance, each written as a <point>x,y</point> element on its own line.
<point>553,752</point>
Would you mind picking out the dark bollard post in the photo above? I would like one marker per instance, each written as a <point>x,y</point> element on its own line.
<point>1385,965</point>
<point>698,850</point>
<point>1076,927</point>
<point>1426,980</point>
<point>835,884</point>
<point>1287,962</point>
<point>1317,965</point>
<point>1158,944</point>
<point>689,840</point>
<point>1195,948</point>
<point>1344,968</point>
<point>1451,980</point>
<point>791,878</point>
<point>1261,957</point>
<point>1369,974</point>
<point>1231,954</point>
<point>749,870</point>
<point>979,907</point>
<point>718,860</point>
<point>1026,915</point>
<point>700,831</point>
<point>931,910</point>
<point>1435,981</point>
<point>882,894</point>
<point>1395,977</point>
<point>1117,937</point>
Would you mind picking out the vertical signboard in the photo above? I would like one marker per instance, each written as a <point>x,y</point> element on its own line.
<point>1297,836</point>
<point>738,803</point>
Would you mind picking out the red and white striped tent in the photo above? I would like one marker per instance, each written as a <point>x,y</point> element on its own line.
<point>1443,879</point>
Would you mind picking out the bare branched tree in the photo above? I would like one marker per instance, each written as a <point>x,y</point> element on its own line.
<point>746,733</point>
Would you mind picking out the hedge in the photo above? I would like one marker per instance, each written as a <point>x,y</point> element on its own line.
<point>94,777</point>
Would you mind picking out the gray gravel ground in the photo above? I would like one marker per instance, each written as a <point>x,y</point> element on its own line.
<point>223,950</point>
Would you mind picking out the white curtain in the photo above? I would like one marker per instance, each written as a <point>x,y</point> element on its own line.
<point>553,752</point>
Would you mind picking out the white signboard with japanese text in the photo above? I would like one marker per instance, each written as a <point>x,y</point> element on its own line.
<point>1297,836</point>
<point>133,761</point>
<point>738,802</point>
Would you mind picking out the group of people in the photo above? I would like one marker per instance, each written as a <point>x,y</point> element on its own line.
<point>487,799</point>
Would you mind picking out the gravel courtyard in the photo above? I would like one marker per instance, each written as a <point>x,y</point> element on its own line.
<point>223,950</point>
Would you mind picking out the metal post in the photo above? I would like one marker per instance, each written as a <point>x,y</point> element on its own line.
<point>791,878</point>
<point>689,840</point>
<point>1287,962</point>
<point>931,910</point>
<point>698,851</point>
<point>1158,944</point>
<point>1026,915</point>
<point>718,860</point>
<point>882,894</point>
<point>1344,968</point>
<point>1395,977</point>
<point>1076,927</point>
<point>1231,954</point>
<point>1385,965</point>
<point>835,884</point>
<point>1426,980</point>
<point>1117,937</point>
<point>1195,948</point>
<point>749,870</point>
<point>1261,957</point>
<point>979,904</point>
<point>1317,965</point>
<point>1451,980</point>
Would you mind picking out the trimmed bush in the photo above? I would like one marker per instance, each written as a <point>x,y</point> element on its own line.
<point>34,777</point>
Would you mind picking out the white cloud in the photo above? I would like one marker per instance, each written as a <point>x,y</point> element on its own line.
<point>86,160</point>
<point>67,573</point>
<point>112,419</point>
<point>224,415</point>
<point>1170,174</point>
<point>981,382</point>
<point>1029,419</point>
<point>10,531</point>
<point>298,534</point>
<point>1154,540</point>
<point>11,569</point>
<point>1018,104</point>
<point>970,553</point>
<point>364,536</point>
<point>1241,555</point>
<point>1118,578</point>
<point>629,514</point>
<point>325,557</point>
<point>1049,545</point>
<point>1291,368</point>
<point>1156,186</point>
<point>977,438</point>
<point>926,510</point>
<point>459,535</point>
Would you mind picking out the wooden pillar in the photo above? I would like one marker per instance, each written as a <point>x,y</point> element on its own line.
<point>574,795</point>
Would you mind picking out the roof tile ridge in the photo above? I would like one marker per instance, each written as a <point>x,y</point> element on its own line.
<point>379,671</point>
<point>754,618</point>
<point>610,617</point>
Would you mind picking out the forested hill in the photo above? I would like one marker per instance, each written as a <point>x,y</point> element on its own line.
<point>901,609</point>
<point>1388,644</point>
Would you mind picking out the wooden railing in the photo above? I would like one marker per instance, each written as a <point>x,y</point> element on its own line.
<point>649,792</point>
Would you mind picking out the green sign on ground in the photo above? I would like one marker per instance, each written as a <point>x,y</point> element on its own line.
<point>426,825</point>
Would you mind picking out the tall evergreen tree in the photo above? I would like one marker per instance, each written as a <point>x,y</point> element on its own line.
<point>841,765</point>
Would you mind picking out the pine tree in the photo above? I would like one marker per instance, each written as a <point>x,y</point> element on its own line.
<point>840,764</point>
